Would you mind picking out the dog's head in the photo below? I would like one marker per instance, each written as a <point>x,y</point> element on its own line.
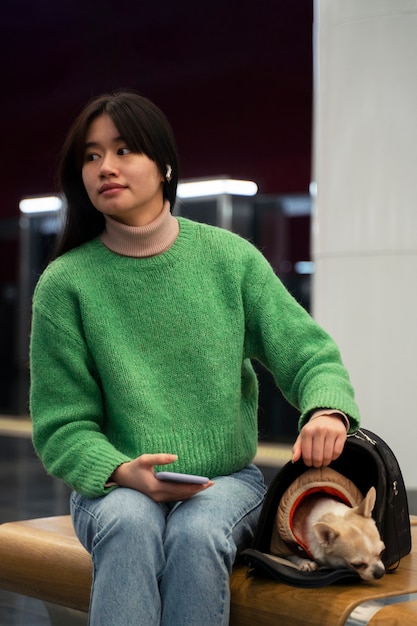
<point>353,540</point>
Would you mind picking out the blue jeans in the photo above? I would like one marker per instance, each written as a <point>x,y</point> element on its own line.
<point>167,564</point>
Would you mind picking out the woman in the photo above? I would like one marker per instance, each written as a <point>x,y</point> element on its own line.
<point>144,327</point>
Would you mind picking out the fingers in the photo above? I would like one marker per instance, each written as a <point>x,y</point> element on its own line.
<point>320,442</point>
<point>139,474</point>
<point>173,492</point>
<point>149,460</point>
<point>296,450</point>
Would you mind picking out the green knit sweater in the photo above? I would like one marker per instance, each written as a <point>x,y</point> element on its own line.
<point>148,355</point>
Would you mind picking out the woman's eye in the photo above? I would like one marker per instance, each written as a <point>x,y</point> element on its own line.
<point>123,151</point>
<point>90,157</point>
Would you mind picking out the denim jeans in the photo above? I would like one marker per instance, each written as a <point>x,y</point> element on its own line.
<point>167,564</point>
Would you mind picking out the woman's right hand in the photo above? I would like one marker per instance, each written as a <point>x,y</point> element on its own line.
<point>139,474</point>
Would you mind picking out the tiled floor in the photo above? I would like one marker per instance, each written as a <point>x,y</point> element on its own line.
<point>25,489</point>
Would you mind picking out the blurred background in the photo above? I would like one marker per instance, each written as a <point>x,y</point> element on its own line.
<point>235,83</point>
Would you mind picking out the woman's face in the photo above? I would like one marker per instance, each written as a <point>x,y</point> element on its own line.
<point>120,183</point>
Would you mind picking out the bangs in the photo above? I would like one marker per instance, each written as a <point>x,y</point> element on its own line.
<point>136,127</point>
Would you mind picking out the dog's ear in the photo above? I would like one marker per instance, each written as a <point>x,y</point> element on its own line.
<point>366,507</point>
<point>325,534</point>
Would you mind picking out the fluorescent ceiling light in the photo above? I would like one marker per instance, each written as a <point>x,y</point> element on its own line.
<point>296,206</point>
<point>304,267</point>
<point>313,189</point>
<point>46,204</point>
<point>200,188</point>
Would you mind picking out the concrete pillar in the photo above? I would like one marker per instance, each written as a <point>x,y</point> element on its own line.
<point>365,209</point>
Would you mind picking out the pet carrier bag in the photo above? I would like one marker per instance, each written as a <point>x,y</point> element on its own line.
<point>366,461</point>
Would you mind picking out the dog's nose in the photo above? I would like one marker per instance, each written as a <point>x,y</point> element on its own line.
<point>378,572</point>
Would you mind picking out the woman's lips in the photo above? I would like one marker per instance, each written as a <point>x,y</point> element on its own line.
<point>110,189</point>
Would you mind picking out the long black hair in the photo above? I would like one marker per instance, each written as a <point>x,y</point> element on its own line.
<point>144,128</point>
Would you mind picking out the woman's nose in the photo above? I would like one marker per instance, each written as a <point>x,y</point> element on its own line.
<point>108,165</point>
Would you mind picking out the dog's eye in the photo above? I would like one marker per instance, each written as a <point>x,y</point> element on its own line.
<point>359,566</point>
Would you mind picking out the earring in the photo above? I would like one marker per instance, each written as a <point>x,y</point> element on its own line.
<point>168,175</point>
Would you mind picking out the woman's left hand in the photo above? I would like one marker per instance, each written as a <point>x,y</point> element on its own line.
<point>320,441</point>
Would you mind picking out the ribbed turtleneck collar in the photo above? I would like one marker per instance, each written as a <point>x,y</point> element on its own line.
<point>141,241</point>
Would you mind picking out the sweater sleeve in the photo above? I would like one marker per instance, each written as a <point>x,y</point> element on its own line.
<point>303,358</point>
<point>65,397</point>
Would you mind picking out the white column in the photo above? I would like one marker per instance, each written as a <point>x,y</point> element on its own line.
<point>365,210</point>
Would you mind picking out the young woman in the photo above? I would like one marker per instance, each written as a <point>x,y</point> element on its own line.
<point>144,328</point>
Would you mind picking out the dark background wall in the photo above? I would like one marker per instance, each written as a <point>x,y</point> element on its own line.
<point>234,78</point>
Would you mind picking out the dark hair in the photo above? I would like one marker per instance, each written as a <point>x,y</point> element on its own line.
<point>144,128</point>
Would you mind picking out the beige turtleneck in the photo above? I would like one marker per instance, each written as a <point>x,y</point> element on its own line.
<point>141,241</point>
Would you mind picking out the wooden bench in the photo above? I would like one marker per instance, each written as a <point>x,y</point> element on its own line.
<point>42,558</point>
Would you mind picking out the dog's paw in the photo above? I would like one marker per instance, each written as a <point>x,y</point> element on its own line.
<point>308,566</point>
<point>304,565</point>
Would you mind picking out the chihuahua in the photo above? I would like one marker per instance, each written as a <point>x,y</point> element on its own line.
<point>340,536</point>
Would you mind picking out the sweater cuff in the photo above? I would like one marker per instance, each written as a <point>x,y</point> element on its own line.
<point>331,413</point>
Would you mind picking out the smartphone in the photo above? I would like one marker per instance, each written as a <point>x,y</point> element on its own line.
<point>182,478</point>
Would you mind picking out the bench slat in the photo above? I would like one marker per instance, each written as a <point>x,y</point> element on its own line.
<point>44,559</point>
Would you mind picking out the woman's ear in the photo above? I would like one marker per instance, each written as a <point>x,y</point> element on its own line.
<point>168,174</point>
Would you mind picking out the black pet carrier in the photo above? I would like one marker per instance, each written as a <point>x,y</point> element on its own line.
<point>367,461</point>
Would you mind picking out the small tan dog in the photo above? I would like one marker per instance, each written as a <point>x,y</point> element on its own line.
<point>334,534</point>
